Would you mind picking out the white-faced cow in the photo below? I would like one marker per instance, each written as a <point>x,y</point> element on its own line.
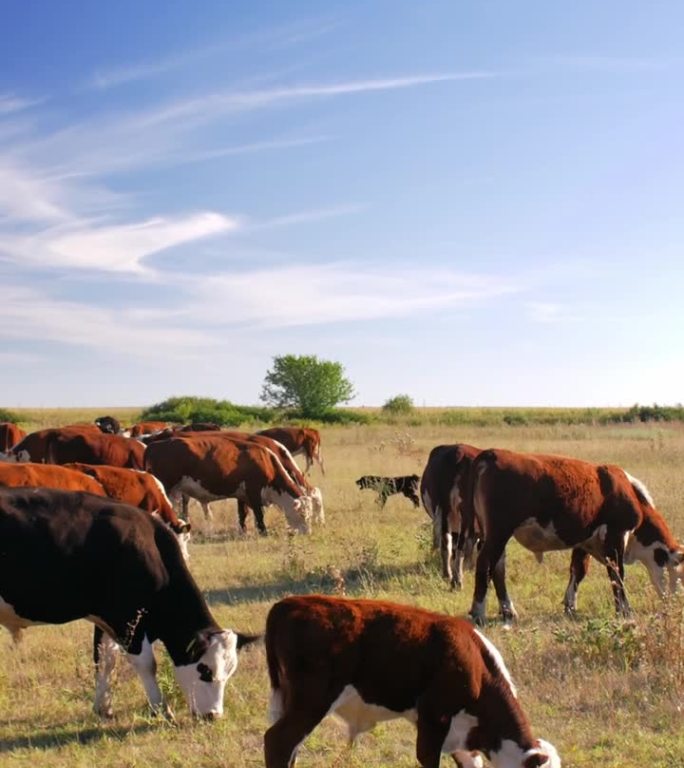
<point>443,487</point>
<point>551,503</point>
<point>368,661</point>
<point>208,468</point>
<point>121,569</point>
<point>139,489</point>
<point>10,435</point>
<point>299,441</point>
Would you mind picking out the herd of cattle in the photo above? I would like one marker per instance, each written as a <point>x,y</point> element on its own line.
<point>75,544</point>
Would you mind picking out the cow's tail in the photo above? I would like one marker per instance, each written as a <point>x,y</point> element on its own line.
<point>276,707</point>
<point>642,492</point>
<point>472,523</point>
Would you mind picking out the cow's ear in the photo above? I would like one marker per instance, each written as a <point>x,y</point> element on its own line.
<point>677,556</point>
<point>181,527</point>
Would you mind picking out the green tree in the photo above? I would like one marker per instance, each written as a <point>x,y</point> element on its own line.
<point>398,404</point>
<point>306,384</point>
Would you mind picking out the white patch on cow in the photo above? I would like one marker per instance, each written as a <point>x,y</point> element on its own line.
<point>192,487</point>
<point>641,488</point>
<point>498,660</point>
<point>317,505</point>
<point>22,456</point>
<point>468,759</point>
<point>538,538</point>
<point>297,511</point>
<point>547,749</point>
<point>276,706</point>
<point>11,620</point>
<point>145,665</point>
<point>636,551</point>
<point>361,716</point>
<point>461,725</point>
<point>220,658</point>
<point>511,755</point>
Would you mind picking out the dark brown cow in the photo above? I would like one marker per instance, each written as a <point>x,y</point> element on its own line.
<point>443,486</point>
<point>298,440</point>
<point>137,488</point>
<point>209,467</point>
<point>109,425</point>
<point>10,435</point>
<point>33,447</point>
<point>95,448</point>
<point>552,503</point>
<point>146,428</point>
<point>368,661</point>
<point>28,475</point>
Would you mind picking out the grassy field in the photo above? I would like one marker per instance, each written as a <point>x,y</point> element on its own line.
<point>604,692</point>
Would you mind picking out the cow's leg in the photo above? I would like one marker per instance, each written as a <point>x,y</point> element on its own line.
<point>254,502</point>
<point>283,738</point>
<point>579,566</point>
<point>614,552</point>
<point>145,665</point>
<point>105,652</point>
<point>487,560</point>
<point>430,739</point>
<point>506,607</point>
<point>243,511</point>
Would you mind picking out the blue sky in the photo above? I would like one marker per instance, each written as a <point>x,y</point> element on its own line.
<point>474,203</point>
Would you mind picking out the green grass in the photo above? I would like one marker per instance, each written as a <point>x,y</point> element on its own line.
<point>604,692</point>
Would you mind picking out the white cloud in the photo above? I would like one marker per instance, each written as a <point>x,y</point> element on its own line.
<point>115,248</point>
<point>315,294</point>
<point>10,103</point>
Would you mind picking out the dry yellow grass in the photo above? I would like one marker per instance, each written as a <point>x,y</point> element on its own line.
<point>605,692</point>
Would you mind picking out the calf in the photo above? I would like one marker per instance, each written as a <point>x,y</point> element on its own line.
<point>552,503</point>
<point>388,486</point>
<point>443,487</point>
<point>368,661</point>
<point>121,569</point>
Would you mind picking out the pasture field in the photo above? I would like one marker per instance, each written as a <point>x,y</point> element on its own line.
<point>607,693</point>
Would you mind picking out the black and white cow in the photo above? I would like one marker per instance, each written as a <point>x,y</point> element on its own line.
<point>72,555</point>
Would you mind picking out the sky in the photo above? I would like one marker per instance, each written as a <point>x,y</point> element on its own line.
<point>474,203</point>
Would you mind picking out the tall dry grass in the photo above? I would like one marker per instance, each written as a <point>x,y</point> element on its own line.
<point>606,692</point>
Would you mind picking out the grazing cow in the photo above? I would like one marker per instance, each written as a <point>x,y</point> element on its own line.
<point>299,440</point>
<point>10,435</point>
<point>109,425</point>
<point>94,448</point>
<point>33,447</point>
<point>368,661</point>
<point>139,489</point>
<point>28,475</point>
<point>443,487</point>
<point>552,503</point>
<point>147,428</point>
<point>209,467</point>
<point>388,486</point>
<point>121,569</point>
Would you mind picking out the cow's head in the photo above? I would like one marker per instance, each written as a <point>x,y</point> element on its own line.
<point>543,755</point>
<point>317,505</point>
<point>665,564</point>
<point>212,659</point>
<point>302,512</point>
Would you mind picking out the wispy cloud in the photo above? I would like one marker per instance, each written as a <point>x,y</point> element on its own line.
<point>116,248</point>
<point>303,217</point>
<point>9,103</point>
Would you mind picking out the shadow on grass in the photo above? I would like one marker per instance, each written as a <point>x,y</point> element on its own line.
<point>349,581</point>
<point>64,735</point>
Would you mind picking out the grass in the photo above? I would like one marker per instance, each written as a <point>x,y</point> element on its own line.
<point>604,692</point>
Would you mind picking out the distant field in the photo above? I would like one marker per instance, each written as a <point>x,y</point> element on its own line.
<point>606,693</point>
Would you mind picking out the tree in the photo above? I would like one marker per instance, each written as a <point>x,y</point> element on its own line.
<point>399,404</point>
<point>306,384</point>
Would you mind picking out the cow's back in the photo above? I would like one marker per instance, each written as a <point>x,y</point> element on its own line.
<point>95,448</point>
<point>31,475</point>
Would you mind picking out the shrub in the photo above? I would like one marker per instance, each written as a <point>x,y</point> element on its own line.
<point>399,404</point>
<point>6,415</point>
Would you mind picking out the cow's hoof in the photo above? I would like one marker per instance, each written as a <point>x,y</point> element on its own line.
<point>477,618</point>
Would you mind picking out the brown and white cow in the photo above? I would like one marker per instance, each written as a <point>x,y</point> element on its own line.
<point>443,487</point>
<point>147,428</point>
<point>209,467</point>
<point>94,448</point>
<point>10,435</point>
<point>551,503</point>
<point>139,489</point>
<point>299,441</point>
<point>368,661</point>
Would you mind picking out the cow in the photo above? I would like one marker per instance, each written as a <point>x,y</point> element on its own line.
<point>208,467</point>
<point>94,448</point>
<point>443,487</point>
<point>29,475</point>
<point>33,447</point>
<point>299,440</point>
<point>10,435</point>
<point>139,489</point>
<point>388,486</point>
<point>108,425</point>
<point>146,428</point>
<point>368,661</point>
<point>553,503</point>
<point>121,569</point>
